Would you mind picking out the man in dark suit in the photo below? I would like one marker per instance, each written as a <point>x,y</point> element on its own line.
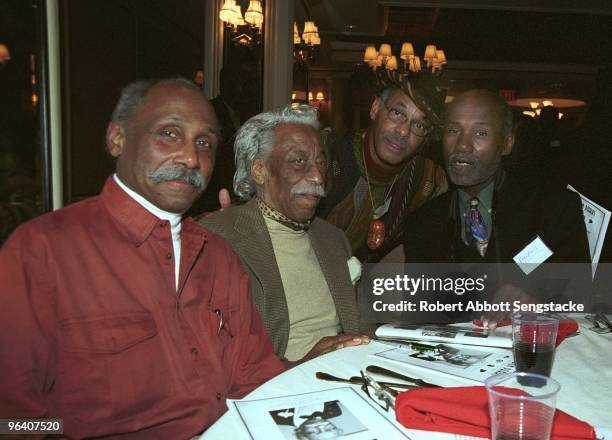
<point>300,278</point>
<point>491,216</point>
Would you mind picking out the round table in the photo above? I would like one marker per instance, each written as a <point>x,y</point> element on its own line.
<point>583,366</point>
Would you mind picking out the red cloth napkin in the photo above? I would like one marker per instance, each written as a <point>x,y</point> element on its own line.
<point>567,327</point>
<point>465,411</point>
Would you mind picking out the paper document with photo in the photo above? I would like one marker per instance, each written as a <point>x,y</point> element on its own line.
<point>334,413</point>
<point>470,362</point>
<point>463,334</point>
<point>596,220</point>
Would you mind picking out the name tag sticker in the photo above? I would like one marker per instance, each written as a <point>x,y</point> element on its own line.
<point>532,255</point>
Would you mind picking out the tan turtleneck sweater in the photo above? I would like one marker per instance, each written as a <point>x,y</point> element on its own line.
<point>312,313</point>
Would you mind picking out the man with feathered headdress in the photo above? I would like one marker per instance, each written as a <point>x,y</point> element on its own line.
<point>377,176</point>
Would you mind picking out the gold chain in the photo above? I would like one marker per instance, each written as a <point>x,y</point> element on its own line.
<point>365,168</point>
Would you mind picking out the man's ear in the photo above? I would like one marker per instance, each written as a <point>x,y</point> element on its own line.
<point>375,108</point>
<point>259,172</point>
<point>115,139</point>
<point>508,144</point>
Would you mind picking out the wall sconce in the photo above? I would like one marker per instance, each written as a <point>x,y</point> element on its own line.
<point>245,31</point>
<point>316,100</point>
<point>304,47</point>
<point>5,55</point>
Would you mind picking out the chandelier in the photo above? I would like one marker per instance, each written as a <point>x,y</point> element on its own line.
<point>434,58</point>
<point>536,108</point>
<point>245,30</point>
<point>304,47</point>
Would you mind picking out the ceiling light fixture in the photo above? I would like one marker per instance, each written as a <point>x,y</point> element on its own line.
<point>536,108</point>
<point>435,58</point>
<point>245,30</point>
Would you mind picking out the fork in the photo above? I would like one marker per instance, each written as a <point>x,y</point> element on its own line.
<point>603,319</point>
<point>356,380</point>
<point>598,328</point>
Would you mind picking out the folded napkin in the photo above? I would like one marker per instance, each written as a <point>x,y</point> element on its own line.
<point>567,327</point>
<point>465,411</point>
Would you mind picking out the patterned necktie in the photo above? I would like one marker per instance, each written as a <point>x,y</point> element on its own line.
<point>476,230</point>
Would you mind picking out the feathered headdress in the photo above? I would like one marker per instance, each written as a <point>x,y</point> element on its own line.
<point>422,87</point>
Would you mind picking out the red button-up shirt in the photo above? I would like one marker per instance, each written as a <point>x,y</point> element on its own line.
<point>93,330</point>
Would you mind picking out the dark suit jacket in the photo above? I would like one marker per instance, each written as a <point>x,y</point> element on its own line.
<point>525,208</point>
<point>245,229</point>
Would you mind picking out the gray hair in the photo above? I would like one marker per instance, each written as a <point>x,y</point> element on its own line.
<point>133,94</point>
<point>255,139</point>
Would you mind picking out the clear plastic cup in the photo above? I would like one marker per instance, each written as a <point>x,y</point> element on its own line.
<point>521,405</point>
<point>533,341</point>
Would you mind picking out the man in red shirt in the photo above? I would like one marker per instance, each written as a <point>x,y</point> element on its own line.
<point>116,315</point>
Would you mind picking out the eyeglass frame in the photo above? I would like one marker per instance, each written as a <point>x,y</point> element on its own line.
<point>381,392</point>
<point>405,119</point>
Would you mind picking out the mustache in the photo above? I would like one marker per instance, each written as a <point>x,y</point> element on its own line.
<point>180,173</point>
<point>399,140</point>
<point>455,157</point>
<point>306,188</point>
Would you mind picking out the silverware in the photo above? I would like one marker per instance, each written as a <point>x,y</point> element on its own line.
<point>385,372</point>
<point>597,326</point>
<point>603,319</point>
<point>356,380</point>
<point>381,392</point>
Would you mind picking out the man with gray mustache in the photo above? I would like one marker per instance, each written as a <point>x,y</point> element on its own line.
<point>119,316</point>
<point>300,280</point>
<point>192,177</point>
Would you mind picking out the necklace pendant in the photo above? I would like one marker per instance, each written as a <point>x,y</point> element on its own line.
<point>376,234</point>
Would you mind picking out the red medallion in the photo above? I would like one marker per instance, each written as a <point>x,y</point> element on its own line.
<point>376,234</point>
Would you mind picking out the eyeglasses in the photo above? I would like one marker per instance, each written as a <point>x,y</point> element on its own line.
<point>418,127</point>
<point>380,394</point>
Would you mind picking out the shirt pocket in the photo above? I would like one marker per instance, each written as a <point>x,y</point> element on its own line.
<point>111,367</point>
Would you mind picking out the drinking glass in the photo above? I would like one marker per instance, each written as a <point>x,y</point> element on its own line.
<point>521,405</point>
<point>533,341</point>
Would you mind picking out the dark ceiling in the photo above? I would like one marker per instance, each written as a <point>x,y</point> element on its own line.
<point>537,47</point>
<point>553,36</point>
<point>535,37</point>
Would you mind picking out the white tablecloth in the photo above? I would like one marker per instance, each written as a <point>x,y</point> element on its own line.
<point>583,366</point>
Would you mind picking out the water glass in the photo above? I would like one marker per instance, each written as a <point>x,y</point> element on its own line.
<point>521,405</point>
